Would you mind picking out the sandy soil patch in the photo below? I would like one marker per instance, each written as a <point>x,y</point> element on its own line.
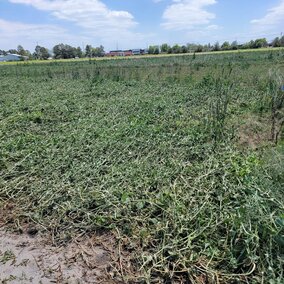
<point>28,259</point>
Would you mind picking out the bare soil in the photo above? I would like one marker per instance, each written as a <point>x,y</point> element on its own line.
<point>254,132</point>
<point>27,259</point>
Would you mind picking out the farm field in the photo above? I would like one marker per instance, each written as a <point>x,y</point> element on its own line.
<point>180,159</point>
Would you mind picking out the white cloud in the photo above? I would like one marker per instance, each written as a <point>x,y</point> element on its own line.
<point>273,21</point>
<point>14,33</point>
<point>187,14</point>
<point>89,14</point>
<point>98,24</point>
<point>29,35</point>
<point>213,27</point>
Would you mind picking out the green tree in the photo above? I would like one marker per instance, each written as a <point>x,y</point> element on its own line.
<point>13,51</point>
<point>165,48</point>
<point>184,49</point>
<point>234,45</point>
<point>206,47</point>
<point>98,51</point>
<point>260,42</point>
<point>176,48</point>
<point>79,52</point>
<point>151,49</point>
<point>88,51</point>
<point>199,48</point>
<point>226,46</point>
<point>170,50</point>
<point>28,54</point>
<point>191,47</point>
<point>41,53</point>
<point>216,46</point>
<point>247,45</point>
<point>64,51</point>
<point>21,50</point>
<point>276,42</point>
<point>154,49</point>
<point>251,44</point>
<point>282,41</point>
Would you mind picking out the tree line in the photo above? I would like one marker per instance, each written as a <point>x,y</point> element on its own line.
<point>175,49</point>
<point>65,51</point>
<point>59,51</point>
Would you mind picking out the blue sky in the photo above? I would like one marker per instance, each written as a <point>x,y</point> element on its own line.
<point>136,23</point>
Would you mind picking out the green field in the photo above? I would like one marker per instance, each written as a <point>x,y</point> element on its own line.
<point>181,158</point>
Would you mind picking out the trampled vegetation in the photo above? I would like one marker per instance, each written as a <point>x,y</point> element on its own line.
<point>182,158</point>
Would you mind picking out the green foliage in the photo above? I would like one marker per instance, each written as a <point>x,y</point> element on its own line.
<point>226,46</point>
<point>165,48</point>
<point>154,49</point>
<point>41,53</point>
<point>98,51</point>
<point>88,51</point>
<point>149,148</point>
<point>64,51</point>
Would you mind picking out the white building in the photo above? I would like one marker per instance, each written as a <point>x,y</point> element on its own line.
<point>11,57</point>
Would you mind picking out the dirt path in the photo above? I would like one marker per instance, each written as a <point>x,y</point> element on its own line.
<point>26,259</point>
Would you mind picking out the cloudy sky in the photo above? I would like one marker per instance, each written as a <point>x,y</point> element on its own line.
<point>136,23</point>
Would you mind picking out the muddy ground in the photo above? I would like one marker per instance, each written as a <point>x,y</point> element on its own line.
<point>34,259</point>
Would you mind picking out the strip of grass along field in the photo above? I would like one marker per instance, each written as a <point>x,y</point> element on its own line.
<point>194,54</point>
<point>181,157</point>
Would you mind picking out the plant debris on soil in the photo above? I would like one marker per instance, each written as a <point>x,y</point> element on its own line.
<point>26,259</point>
<point>151,170</point>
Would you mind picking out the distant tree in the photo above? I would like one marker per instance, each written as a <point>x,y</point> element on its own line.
<point>41,53</point>
<point>184,49</point>
<point>154,49</point>
<point>276,42</point>
<point>234,45</point>
<point>44,53</point>
<point>251,44</point>
<point>13,51</point>
<point>64,51</point>
<point>88,51</point>
<point>176,48</point>
<point>28,54</point>
<point>3,52</point>
<point>191,47</point>
<point>21,50</point>
<point>165,48</point>
<point>247,45</point>
<point>36,53</point>
<point>226,46</point>
<point>98,51</point>
<point>79,52</point>
<point>199,48</point>
<point>282,41</point>
<point>58,51</point>
<point>170,50</point>
<point>216,47</point>
<point>260,42</point>
<point>207,47</point>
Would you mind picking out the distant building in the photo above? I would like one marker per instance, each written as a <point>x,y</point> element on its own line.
<point>116,53</point>
<point>144,51</point>
<point>129,52</point>
<point>12,57</point>
<point>136,51</point>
